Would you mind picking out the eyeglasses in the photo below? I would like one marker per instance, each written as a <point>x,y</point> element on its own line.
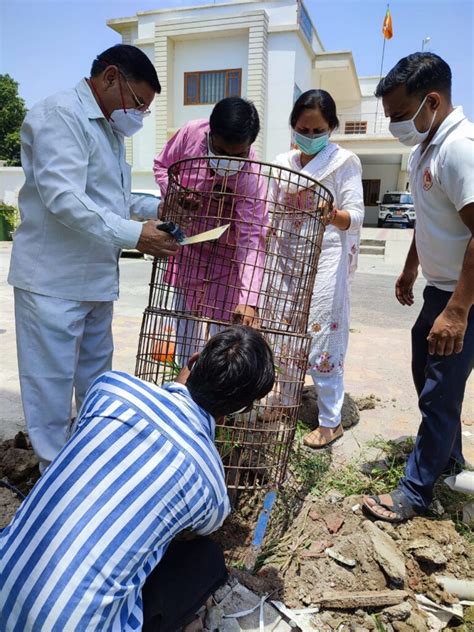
<point>217,151</point>
<point>139,104</point>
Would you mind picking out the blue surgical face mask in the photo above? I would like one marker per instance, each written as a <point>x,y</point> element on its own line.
<point>311,145</point>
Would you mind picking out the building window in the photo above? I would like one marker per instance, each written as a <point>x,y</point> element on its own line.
<point>371,192</point>
<point>297,92</point>
<point>305,23</point>
<point>355,127</point>
<point>201,88</point>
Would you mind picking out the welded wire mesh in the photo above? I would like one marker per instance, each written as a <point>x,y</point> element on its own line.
<point>264,265</point>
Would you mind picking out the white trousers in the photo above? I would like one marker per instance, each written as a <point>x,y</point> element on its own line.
<point>329,323</point>
<point>330,390</point>
<point>62,346</point>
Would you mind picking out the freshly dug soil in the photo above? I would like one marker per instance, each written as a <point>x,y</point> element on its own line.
<point>19,468</point>
<point>9,503</point>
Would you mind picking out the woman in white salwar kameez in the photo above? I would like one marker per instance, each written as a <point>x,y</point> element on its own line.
<point>312,120</point>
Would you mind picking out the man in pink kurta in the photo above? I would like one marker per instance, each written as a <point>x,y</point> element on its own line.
<point>219,280</point>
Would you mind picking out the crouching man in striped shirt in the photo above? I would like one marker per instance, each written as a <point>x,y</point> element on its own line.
<point>141,466</point>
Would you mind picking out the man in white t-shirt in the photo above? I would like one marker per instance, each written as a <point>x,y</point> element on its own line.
<point>416,96</point>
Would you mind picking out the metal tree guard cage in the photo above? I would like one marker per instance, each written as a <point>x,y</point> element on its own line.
<point>266,260</point>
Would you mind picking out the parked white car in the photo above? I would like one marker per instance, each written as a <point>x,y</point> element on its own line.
<point>396,207</point>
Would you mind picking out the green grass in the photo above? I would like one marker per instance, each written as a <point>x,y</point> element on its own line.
<point>379,625</point>
<point>225,441</point>
<point>171,371</point>
<point>264,554</point>
<point>314,473</point>
<point>301,430</point>
<point>308,467</point>
<point>452,503</point>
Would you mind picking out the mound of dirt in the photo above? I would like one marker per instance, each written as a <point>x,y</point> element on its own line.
<point>425,547</point>
<point>331,547</point>
<point>19,468</point>
<point>9,503</point>
<point>309,412</point>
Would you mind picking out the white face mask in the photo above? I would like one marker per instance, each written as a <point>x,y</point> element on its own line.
<point>222,166</point>
<point>407,132</point>
<point>127,122</point>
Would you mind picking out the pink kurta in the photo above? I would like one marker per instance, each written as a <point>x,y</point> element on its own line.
<point>217,276</point>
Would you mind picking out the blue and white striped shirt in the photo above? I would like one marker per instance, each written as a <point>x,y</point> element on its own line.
<point>140,467</point>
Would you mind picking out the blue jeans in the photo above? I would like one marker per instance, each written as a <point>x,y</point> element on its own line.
<point>440,382</point>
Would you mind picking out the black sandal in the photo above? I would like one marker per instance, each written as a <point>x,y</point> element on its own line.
<point>401,507</point>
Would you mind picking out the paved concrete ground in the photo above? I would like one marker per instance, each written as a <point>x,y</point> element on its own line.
<point>378,361</point>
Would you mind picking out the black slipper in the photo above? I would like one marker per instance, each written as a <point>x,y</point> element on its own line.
<point>401,507</point>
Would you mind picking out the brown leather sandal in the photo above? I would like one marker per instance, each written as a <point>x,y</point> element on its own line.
<point>315,439</point>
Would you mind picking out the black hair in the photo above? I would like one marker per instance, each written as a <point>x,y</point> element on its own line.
<point>235,120</point>
<point>420,73</point>
<point>234,369</point>
<point>132,63</point>
<point>312,100</point>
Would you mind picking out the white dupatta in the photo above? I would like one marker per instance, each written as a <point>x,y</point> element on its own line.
<point>328,160</point>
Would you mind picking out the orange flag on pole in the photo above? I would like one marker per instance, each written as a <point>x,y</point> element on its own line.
<point>387,28</point>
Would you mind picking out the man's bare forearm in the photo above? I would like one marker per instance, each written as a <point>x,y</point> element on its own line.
<point>463,295</point>
<point>412,262</point>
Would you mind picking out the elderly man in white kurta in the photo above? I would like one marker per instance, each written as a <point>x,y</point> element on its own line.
<point>76,207</point>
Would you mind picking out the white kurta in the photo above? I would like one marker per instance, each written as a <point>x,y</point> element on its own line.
<point>76,204</point>
<point>76,207</point>
<point>340,172</point>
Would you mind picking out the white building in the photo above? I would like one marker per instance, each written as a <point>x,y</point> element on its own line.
<point>265,51</point>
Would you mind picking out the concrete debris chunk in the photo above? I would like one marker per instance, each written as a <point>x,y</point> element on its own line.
<point>214,618</point>
<point>400,612</point>
<point>364,599</point>
<point>222,592</point>
<point>230,625</point>
<point>431,554</point>
<point>468,514</point>
<point>387,555</point>
<point>340,558</point>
